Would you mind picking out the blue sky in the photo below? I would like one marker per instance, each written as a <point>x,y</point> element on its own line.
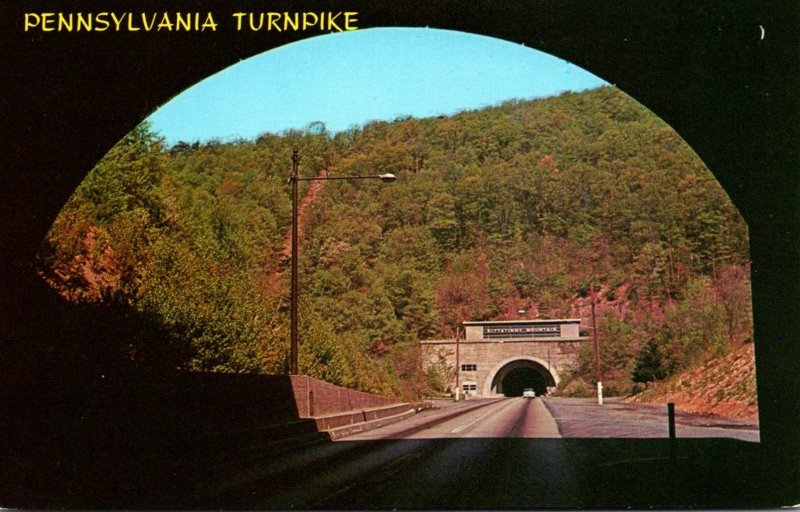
<point>350,78</point>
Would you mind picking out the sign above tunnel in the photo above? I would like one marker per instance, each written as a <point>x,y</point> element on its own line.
<point>523,330</point>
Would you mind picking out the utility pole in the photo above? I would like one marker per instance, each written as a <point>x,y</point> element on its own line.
<point>597,373</point>
<point>293,366</point>
<point>458,363</point>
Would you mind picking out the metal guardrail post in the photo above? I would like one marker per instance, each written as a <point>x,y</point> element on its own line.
<point>671,413</point>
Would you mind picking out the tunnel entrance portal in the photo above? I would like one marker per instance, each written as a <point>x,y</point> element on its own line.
<point>503,357</point>
<point>513,378</point>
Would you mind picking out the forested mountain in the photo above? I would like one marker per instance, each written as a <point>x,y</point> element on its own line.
<point>514,207</point>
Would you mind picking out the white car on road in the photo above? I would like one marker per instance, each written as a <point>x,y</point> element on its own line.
<point>529,393</point>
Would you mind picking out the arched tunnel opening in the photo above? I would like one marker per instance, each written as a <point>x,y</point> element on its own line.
<point>516,376</point>
<point>521,378</point>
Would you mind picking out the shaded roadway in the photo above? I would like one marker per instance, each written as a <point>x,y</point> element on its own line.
<point>482,458</point>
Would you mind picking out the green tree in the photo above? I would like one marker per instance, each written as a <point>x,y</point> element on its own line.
<point>648,365</point>
<point>127,177</point>
<point>442,222</point>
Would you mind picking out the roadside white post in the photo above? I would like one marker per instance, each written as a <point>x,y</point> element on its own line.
<point>597,371</point>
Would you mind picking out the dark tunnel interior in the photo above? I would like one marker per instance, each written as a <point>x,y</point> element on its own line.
<point>520,378</point>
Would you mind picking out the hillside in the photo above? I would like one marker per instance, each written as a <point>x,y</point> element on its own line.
<point>724,386</point>
<point>515,207</point>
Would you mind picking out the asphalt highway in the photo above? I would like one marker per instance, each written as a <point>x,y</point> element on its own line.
<point>438,466</point>
<point>495,454</point>
<point>503,418</point>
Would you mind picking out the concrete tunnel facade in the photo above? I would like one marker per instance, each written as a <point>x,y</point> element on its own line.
<point>504,357</point>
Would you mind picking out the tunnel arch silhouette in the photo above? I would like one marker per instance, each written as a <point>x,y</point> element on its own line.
<point>514,375</point>
<point>704,105</point>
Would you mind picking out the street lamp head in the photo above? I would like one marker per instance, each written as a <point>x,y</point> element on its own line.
<point>388,177</point>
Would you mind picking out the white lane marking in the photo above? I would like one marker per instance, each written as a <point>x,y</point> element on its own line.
<point>462,428</point>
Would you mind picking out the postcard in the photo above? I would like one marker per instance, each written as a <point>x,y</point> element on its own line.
<point>510,254</point>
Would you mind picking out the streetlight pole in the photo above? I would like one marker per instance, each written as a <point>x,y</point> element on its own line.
<point>293,179</point>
